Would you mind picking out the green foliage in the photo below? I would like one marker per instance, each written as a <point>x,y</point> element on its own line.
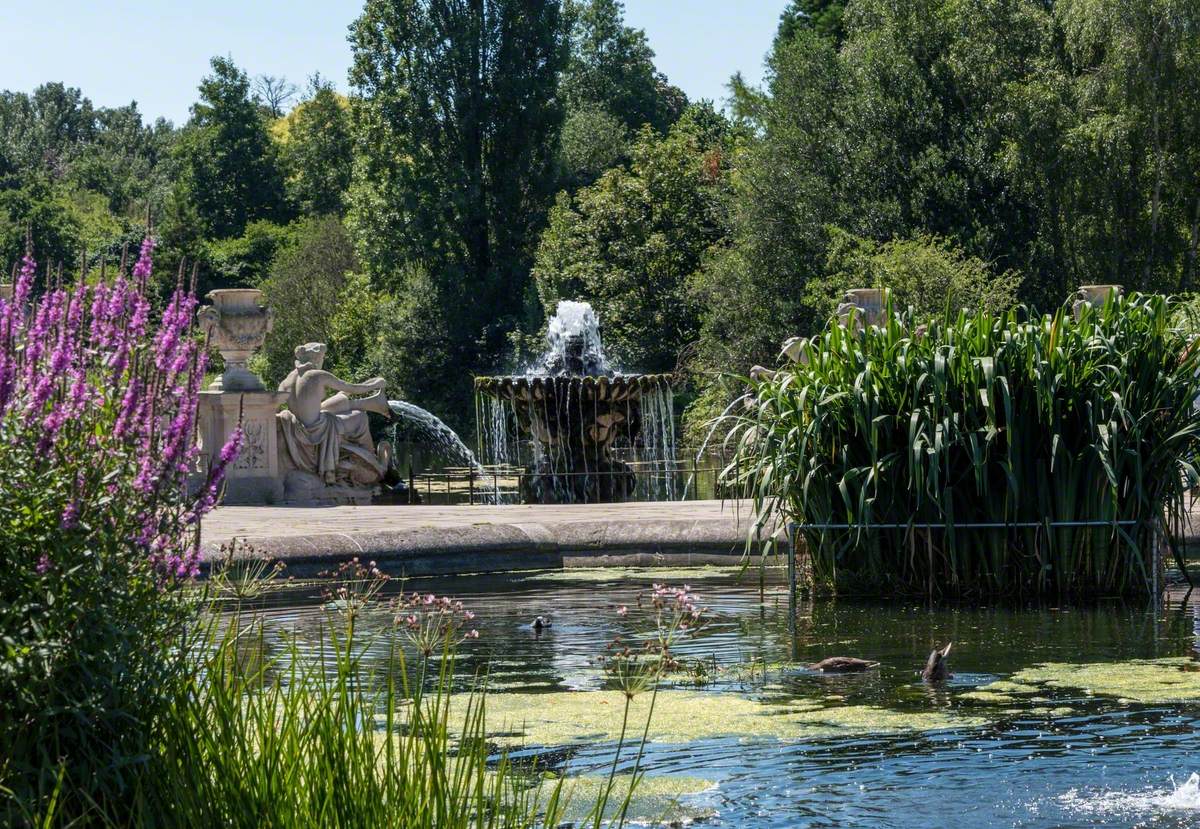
<point>44,212</point>
<point>307,288</point>
<point>244,261</point>
<point>228,166</point>
<point>592,141</point>
<point>416,352</point>
<point>611,68</point>
<point>256,735</point>
<point>317,154</point>
<point>984,418</point>
<point>629,243</point>
<point>928,274</point>
<point>44,132</point>
<point>456,122</point>
<point>825,17</point>
<point>1054,142</point>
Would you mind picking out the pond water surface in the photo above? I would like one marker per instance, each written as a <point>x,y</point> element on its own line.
<point>1107,735</point>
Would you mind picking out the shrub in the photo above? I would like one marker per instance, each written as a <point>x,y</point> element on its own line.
<point>986,418</point>
<point>927,273</point>
<point>97,422</point>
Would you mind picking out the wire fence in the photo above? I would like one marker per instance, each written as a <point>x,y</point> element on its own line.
<point>690,476</point>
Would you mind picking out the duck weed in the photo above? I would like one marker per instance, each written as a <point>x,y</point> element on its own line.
<point>682,716</point>
<point>1150,681</point>
<point>655,800</point>
<point>624,574</point>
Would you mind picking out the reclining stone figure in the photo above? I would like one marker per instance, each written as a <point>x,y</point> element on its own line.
<point>331,437</point>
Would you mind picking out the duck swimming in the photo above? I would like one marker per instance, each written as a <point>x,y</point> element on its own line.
<point>539,624</point>
<point>843,665</point>
<point>936,669</point>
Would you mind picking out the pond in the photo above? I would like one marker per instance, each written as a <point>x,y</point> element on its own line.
<point>1055,716</point>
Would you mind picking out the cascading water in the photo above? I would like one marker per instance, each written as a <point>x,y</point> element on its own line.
<point>432,431</point>
<point>573,410</point>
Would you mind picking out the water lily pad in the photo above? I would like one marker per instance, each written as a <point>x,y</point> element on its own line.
<point>1136,680</point>
<point>682,716</point>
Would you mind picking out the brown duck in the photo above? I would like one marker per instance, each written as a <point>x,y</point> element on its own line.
<point>936,668</point>
<point>843,665</point>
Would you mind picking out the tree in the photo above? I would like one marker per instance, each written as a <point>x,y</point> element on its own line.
<point>592,141</point>
<point>630,243</point>
<point>318,151</point>
<point>275,93</point>
<point>825,17</point>
<point>228,170</point>
<point>456,125</point>
<point>1136,146</point>
<point>305,287</point>
<point>611,68</point>
<point>42,133</point>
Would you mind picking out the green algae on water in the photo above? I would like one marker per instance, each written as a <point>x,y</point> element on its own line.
<point>1137,680</point>
<point>656,799</point>
<point>649,574</point>
<point>682,716</point>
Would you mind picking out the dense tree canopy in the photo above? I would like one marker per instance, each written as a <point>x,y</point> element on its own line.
<point>457,119</point>
<point>318,151</point>
<point>630,242</point>
<point>611,68</point>
<point>228,165</point>
<point>495,156</point>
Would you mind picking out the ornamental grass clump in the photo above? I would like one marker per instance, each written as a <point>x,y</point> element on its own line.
<point>886,444</point>
<point>98,402</point>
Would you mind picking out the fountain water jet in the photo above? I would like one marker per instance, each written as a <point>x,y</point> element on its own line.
<point>575,408</point>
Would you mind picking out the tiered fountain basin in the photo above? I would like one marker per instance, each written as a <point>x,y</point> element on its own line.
<point>618,388</point>
<point>573,421</point>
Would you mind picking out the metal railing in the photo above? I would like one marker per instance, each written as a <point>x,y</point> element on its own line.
<point>684,478</point>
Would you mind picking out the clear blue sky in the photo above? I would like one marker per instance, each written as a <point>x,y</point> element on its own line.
<point>155,51</point>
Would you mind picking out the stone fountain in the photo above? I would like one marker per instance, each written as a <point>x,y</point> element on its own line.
<point>572,409</point>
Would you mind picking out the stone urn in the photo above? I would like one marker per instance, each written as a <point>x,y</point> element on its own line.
<point>236,324</point>
<point>868,302</point>
<point>1095,296</point>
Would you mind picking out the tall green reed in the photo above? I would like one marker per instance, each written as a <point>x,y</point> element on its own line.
<point>1025,421</point>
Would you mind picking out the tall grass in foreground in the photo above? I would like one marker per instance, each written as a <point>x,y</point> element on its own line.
<point>286,740</point>
<point>979,418</point>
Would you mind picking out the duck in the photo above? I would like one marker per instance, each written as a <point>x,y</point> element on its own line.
<point>539,624</point>
<point>936,669</point>
<point>843,665</point>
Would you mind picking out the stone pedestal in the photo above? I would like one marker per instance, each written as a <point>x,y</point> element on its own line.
<point>1095,296</point>
<point>867,304</point>
<point>255,476</point>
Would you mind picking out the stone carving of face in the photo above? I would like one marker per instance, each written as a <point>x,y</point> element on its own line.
<point>312,353</point>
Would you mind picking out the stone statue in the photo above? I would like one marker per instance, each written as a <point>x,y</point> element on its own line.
<point>331,437</point>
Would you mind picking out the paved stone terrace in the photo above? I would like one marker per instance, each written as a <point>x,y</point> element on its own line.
<point>438,540</point>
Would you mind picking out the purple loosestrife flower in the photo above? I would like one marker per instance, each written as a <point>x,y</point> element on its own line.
<point>24,285</point>
<point>51,427</point>
<point>145,263</point>
<point>105,384</point>
<point>70,515</point>
<point>43,565</point>
<point>126,415</point>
